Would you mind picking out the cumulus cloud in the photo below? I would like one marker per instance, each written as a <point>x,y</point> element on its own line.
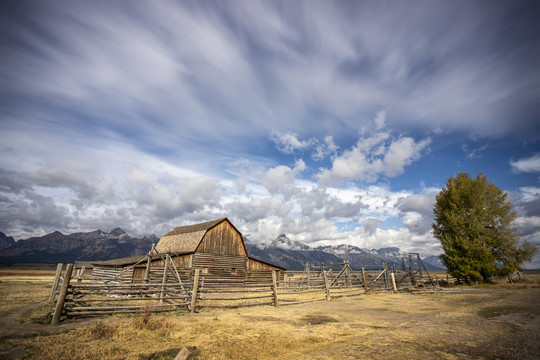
<point>325,149</point>
<point>155,198</point>
<point>289,143</point>
<point>372,157</point>
<point>281,177</point>
<point>420,203</point>
<point>529,165</point>
<point>371,224</point>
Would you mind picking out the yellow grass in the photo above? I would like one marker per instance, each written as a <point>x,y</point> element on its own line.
<point>475,323</point>
<point>20,289</point>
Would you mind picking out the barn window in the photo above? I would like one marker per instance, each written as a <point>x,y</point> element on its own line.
<point>234,270</point>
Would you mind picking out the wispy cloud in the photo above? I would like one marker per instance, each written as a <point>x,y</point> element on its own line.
<point>474,153</point>
<point>529,165</point>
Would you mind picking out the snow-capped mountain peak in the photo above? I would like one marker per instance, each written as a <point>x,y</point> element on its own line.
<point>283,242</point>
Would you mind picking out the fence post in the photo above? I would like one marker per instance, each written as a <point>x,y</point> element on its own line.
<point>419,265</point>
<point>148,263</point>
<point>364,277</point>
<point>165,271</point>
<point>195,290</point>
<point>274,287</point>
<point>386,281</point>
<point>308,275</point>
<point>55,282</point>
<point>62,296</point>
<point>326,287</point>
<point>330,272</point>
<point>349,280</point>
<point>411,269</point>
<point>393,282</point>
<point>81,274</point>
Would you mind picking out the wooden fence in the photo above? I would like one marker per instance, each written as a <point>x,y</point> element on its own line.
<point>171,289</point>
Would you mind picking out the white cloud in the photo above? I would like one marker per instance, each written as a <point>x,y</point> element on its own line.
<point>530,165</point>
<point>401,153</point>
<point>372,157</point>
<point>372,224</point>
<point>282,177</point>
<point>529,193</point>
<point>325,149</point>
<point>380,119</point>
<point>289,143</point>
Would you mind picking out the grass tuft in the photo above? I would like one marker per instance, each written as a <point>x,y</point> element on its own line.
<point>147,321</point>
<point>317,319</point>
<point>161,355</point>
<point>101,331</point>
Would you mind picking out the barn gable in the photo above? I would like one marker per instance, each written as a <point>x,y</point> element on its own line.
<point>217,236</point>
<point>223,238</point>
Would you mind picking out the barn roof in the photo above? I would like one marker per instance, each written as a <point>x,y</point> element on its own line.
<point>267,263</point>
<point>186,238</point>
<point>123,261</point>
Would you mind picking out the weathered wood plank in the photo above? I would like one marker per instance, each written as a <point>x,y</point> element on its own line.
<point>62,295</point>
<point>195,288</point>
<point>54,288</point>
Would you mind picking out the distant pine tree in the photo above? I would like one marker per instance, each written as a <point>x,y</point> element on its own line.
<point>474,223</point>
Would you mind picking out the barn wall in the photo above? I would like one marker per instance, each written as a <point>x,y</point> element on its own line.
<point>255,265</point>
<point>218,266</point>
<point>213,267</point>
<point>263,275</point>
<point>223,239</point>
<point>181,262</point>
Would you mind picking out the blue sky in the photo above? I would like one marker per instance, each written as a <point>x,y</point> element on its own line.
<point>331,122</point>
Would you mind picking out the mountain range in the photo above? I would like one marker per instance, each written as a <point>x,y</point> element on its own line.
<point>84,246</point>
<point>293,255</point>
<point>99,245</point>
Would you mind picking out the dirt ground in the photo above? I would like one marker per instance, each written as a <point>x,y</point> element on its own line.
<point>467,323</point>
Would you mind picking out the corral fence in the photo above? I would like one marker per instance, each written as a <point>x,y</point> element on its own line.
<point>75,294</point>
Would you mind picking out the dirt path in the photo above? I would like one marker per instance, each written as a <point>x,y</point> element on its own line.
<point>11,326</point>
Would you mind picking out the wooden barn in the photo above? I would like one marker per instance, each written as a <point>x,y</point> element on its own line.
<point>216,247</point>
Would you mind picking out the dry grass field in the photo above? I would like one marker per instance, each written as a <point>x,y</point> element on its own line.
<point>499,321</point>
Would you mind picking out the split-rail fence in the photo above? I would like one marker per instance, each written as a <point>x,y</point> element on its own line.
<point>75,294</point>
